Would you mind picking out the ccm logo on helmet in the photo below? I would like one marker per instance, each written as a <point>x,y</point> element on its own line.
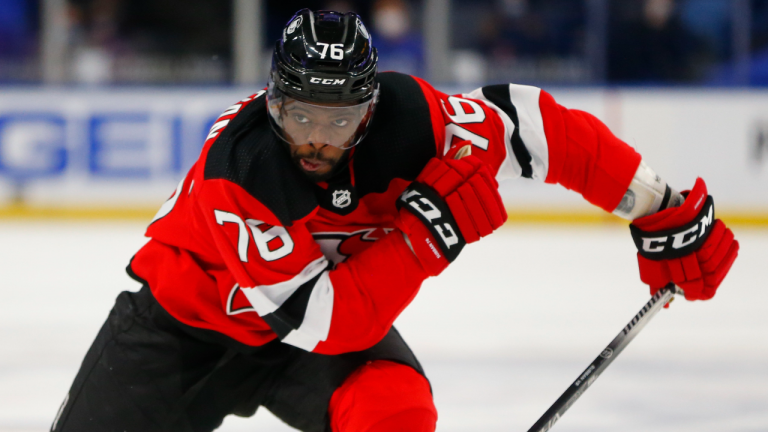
<point>678,242</point>
<point>327,81</point>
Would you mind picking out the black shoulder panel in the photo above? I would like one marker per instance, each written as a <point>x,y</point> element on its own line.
<point>400,141</point>
<point>499,95</point>
<point>249,154</point>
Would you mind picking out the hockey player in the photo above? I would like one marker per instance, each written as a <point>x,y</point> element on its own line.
<point>316,210</point>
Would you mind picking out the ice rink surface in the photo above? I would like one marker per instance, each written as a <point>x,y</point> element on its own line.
<point>501,333</point>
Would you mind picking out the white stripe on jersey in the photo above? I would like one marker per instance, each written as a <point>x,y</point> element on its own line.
<point>267,298</point>
<point>525,99</point>
<point>317,318</point>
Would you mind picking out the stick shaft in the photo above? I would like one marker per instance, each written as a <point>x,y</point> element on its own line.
<point>602,361</point>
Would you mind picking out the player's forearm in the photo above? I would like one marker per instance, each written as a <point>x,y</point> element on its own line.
<point>647,194</point>
<point>371,289</point>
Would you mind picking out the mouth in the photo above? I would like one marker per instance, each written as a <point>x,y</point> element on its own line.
<point>311,164</point>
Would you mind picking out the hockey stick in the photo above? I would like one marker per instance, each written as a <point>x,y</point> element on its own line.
<point>590,374</point>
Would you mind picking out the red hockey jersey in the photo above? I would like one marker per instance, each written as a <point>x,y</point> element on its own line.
<point>248,247</point>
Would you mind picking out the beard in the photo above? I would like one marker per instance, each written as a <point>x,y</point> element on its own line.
<point>335,163</point>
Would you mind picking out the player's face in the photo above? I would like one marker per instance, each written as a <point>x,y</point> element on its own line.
<point>317,161</point>
<point>319,135</point>
<point>332,125</point>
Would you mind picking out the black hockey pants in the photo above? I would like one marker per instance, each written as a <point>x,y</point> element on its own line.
<point>147,372</point>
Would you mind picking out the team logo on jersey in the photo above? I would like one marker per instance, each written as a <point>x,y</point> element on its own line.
<point>362,29</point>
<point>294,25</point>
<point>237,302</point>
<point>342,198</point>
<point>338,246</point>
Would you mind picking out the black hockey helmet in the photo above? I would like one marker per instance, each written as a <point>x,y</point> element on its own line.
<point>324,64</point>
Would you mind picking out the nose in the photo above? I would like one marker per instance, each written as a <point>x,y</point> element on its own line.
<point>319,137</point>
<point>316,145</point>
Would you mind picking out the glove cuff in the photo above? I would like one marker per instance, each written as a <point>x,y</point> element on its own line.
<point>435,215</point>
<point>676,242</point>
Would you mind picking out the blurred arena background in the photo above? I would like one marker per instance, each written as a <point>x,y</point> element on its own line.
<point>104,105</point>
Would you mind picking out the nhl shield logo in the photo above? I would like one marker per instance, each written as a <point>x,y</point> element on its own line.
<point>341,198</point>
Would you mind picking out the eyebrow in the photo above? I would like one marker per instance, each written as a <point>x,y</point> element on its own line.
<point>332,115</point>
<point>297,108</point>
